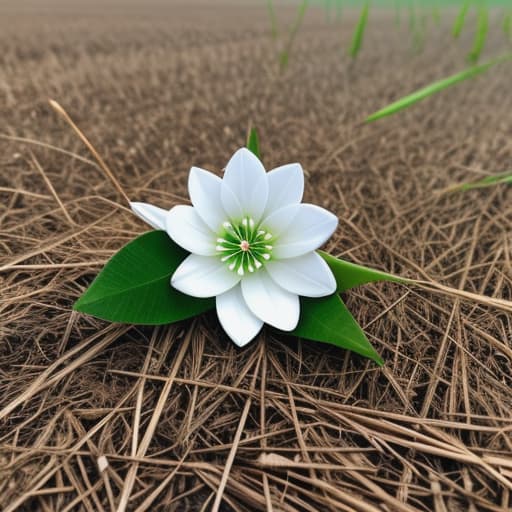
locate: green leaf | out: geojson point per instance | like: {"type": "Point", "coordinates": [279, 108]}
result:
{"type": "Point", "coordinates": [460, 19]}
{"type": "Point", "coordinates": [253, 142]}
{"type": "Point", "coordinates": [357, 38]}
{"type": "Point", "coordinates": [431, 89]}
{"type": "Point", "coordinates": [329, 321]}
{"type": "Point", "coordinates": [134, 286]}
{"type": "Point", "coordinates": [480, 36]}
{"type": "Point", "coordinates": [349, 275]}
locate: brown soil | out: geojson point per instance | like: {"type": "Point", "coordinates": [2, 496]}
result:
{"type": "Point", "coordinates": [284, 424]}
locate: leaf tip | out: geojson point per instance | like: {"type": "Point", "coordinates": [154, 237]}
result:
{"type": "Point", "coordinates": [378, 360]}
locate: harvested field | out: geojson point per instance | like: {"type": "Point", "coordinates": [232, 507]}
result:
{"type": "Point", "coordinates": [181, 416]}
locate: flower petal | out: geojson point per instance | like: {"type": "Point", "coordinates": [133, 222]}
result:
{"type": "Point", "coordinates": [187, 229]}
{"type": "Point", "coordinates": [285, 186]}
{"type": "Point", "coordinates": [246, 179]}
{"type": "Point", "coordinates": [270, 302]}
{"type": "Point", "coordinates": [153, 215]}
{"type": "Point", "coordinates": [203, 276]}
{"type": "Point", "coordinates": [311, 228]}
{"type": "Point", "coordinates": [307, 275]}
{"type": "Point", "coordinates": [279, 220]}
{"type": "Point", "coordinates": [204, 189]}
{"type": "Point", "coordinates": [240, 324]}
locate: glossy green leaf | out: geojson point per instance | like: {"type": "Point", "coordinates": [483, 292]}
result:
{"type": "Point", "coordinates": [431, 89]}
{"type": "Point", "coordinates": [460, 19]}
{"type": "Point", "coordinates": [349, 275]}
{"type": "Point", "coordinates": [480, 36]}
{"type": "Point", "coordinates": [253, 142]}
{"type": "Point", "coordinates": [134, 286]}
{"type": "Point", "coordinates": [329, 321]}
{"type": "Point", "coordinates": [357, 38]}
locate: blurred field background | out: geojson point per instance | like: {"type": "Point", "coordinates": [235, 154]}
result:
{"type": "Point", "coordinates": [96, 417]}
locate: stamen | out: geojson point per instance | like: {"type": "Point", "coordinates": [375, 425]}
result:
{"type": "Point", "coordinates": [244, 247]}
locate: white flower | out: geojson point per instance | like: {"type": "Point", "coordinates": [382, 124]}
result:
{"type": "Point", "coordinates": [252, 244]}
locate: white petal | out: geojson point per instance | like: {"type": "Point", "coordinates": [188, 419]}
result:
{"type": "Point", "coordinates": [236, 318]}
{"type": "Point", "coordinates": [187, 229]}
{"type": "Point", "coordinates": [311, 228]}
{"type": "Point", "coordinates": [231, 204]}
{"type": "Point", "coordinates": [204, 189]}
{"type": "Point", "coordinates": [279, 220]}
{"type": "Point", "coordinates": [203, 276]}
{"type": "Point", "coordinates": [153, 215]}
{"type": "Point", "coordinates": [285, 186]}
{"type": "Point", "coordinates": [270, 302]}
{"type": "Point", "coordinates": [246, 179]}
{"type": "Point", "coordinates": [307, 275]}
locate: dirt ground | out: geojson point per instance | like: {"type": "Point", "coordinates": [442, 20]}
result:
{"type": "Point", "coordinates": [180, 415]}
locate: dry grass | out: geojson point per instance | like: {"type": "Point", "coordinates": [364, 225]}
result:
{"type": "Point", "coordinates": [110, 417]}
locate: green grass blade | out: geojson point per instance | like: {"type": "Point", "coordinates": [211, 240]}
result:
{"type": "Point", "coordinates": [488, 181]}
{"type": "Point", "coordinates": [253, 142]}
{"type": "Point", "coordinates": [480, 36]}
{"type": "Point", "coordinates": [284, 57]}
{"type": "Point", "coordinates": [339, 10]}
{"type": "Point", "coordinates": [460, 20]}
{"type": "Point", "coordinates": [436, 15]}
{"type": "Point", "coordinates": [327, 7]}
{"type": "Point", "coordinates": [357, 38]}
{"type": "Point", "coordinates": [419, 32]}
{"type": "Point", "coordinates": [273, 19]}
{"type": "Point", "coordinates": [434, 88]}
{"type": "Point", "coordinates": [507, 25]}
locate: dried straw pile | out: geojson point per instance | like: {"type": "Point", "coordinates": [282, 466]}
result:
{"type": "Point", "coordinates": [180, 414]}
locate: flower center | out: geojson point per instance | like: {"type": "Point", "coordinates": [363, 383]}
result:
{"type": "Point", "coordinates": [244, 246]}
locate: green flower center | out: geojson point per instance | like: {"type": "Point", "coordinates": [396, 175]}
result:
{"type": "Point", "coordinates": [244, 247]}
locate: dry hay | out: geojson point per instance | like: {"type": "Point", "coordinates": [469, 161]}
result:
{"type": "Point", "coordinates": [282, 424]}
